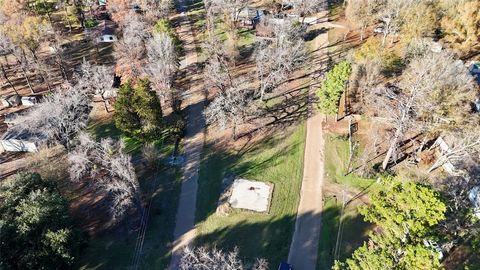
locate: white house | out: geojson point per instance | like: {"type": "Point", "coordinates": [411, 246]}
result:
{"type": "Point", "coordinates": [107, 35]}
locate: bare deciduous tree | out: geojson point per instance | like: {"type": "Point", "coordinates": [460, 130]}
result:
{"type": "Point", "coordinates": [217, 75]}
{"type": "Point", "coordinates": [463, 143]}
{"type": "Point", "coordinates": [229, 108]}
{"type": "Point", "coordinates": [97, 80]}
{"type": "Point", "coordinates": [434, 94]}
{"type": "Point", "coordinates": [230, 11]}
{"type": "Point", "coordinates": [155, 10]}
{"type": "Point", "coordinates": [109, 168]}
{"type": "Point", "coordinates": [366, 75]}
{"type": "Point", "coordinates": [203, 259]}
{"type": "Point", "coordinates": [230, 8]}
{"type": "Point", "coordinates": [120, 10]}
{"type": "Point", "coordinates": [58, 118]}
{"type": "Point", "coordinates": [5, 49]}
{"type": "Point", "coordinates": [361, 13]}
{"type": "Point", "coordinates": [307, 7]}
{"type": "Point", "coordinates": [276, 59]}
{"type": "Point", "coordinates": [162, 63]}
{"type": "Point", "coordinates": [130, 49]}
{"type": "Point", "coordinates": [390, 16]}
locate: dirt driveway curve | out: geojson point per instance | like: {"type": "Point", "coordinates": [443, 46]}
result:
{"type": "Point", "coordinates": [304, 247]}
{"type": "Point", "coordinates": [184, 232]}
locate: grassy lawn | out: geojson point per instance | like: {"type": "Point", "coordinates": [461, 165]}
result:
{"type": "Point", "coordinates": [114, 250]}
{"type": "Point", "coordinates": [336, 159]}
{"type": "Point", "coordinates": [354, 230]}
{"type": "Point", "coordinates": [277, 159]}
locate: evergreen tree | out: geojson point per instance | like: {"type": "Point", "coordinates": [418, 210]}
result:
{"type": "Point", "coordinates": [35, 228]}
{"type": "Point", "coordinates": [406, 213]}
{"type": "Point", "coordinates": [333, 87]}
{"type": "Point", "coordinates": [137, 111]}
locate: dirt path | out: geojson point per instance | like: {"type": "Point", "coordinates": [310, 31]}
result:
{"type": "Point", "coordinates": [304, 247]}
{"type": "Point", "coordinates": [193, 145]}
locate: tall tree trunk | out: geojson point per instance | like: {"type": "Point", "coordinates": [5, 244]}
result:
{"type": "Point", "coordinates": [390, 151]}
{"type": "Point", "coordinates": [6, 61]}
{"type": "Point", "coordinates": [5, 75]}
{"type": "Point", "coordinates": [25, 75]}
{"type": "Point", "coordinates": [385, 34]}
{"type": "Point", "coordinates": [45, 79]}
{"type": "Point", "coordinates": [62, 69]}
{"type": "Point", "coordinates": [24, 71]}
{"type": "Point", "coordinates": [234, 131]}
{"type": "Point", "coordinates": [68, 20]}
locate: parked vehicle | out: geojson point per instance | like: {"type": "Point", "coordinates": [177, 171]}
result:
{"type": "Point", "coordinates": [285, 266]}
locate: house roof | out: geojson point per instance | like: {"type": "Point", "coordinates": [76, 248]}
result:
{"type": "Point", "coordinates": [108, 31]}
{"type": "Point", "coordinates": [250, 13]}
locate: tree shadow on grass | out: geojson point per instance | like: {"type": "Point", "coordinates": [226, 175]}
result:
{"type": "Point", "coordinates": [114, 249]}
{"type": "Point", "coordinates": [269, 239]}
{"type": "Point", "coordinates": [354, 232]}
{"type": "Point", "coordinates": [217, 164]}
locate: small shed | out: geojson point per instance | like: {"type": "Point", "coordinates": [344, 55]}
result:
{"type": "Point", "coordinates": [107, 35]}
{"type": "Point", "coordinates": [29, 101]}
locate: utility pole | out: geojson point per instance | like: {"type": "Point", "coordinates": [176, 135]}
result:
{"type": "Point", "coordinates": [340, 228]}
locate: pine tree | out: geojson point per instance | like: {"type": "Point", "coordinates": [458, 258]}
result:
{"type": "Point", "coordinates": [35, 226]}
{"type": "Point", "coordinates": [138, 112]}
{"type": "Point", "coordinates": [126, 118]}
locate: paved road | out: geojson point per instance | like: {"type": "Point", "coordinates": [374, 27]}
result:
{"type": "Point", "coordinates": [304, 247]}
{"type": "Point", "coordinates": [184, 232]}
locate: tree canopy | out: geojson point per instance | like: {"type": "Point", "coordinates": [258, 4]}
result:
{"type": "Point", "coordinates": [406, 213]}
{"type": "Point", "coordinates": [333, 87]}
{"type": "Point", "coordinates": [404, 208]}
{"type": "Point", "coordinates": [35, 226]}
{"type": "Point", "coordinates": [461, 25]}
{"type": "Point", "coordinates": [137, 111]}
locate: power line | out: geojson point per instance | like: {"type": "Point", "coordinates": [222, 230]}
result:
{"type": "Point", "coordinates": [143, 226]}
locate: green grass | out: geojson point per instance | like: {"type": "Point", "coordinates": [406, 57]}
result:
{"type": "Point", "coordinates": [278, 160]}
{"type": "Point", "coordinates": [354, 232]}
{"type": "Point", "coordinates": [114, 250]}
{"type": "Point", "coordinates": [133, 146]}
{"type": "Point", "coordinates": [246, 36]}
{"type": "Point", "coordinates": [328, 233]}
{"type": "Point", "coordinates": [102, 130]}
{"type": "Point", "coordinates": [336, 159]}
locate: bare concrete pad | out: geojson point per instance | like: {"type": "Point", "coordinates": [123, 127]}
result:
{"type": "Point", "coordinates": [250, 195]}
